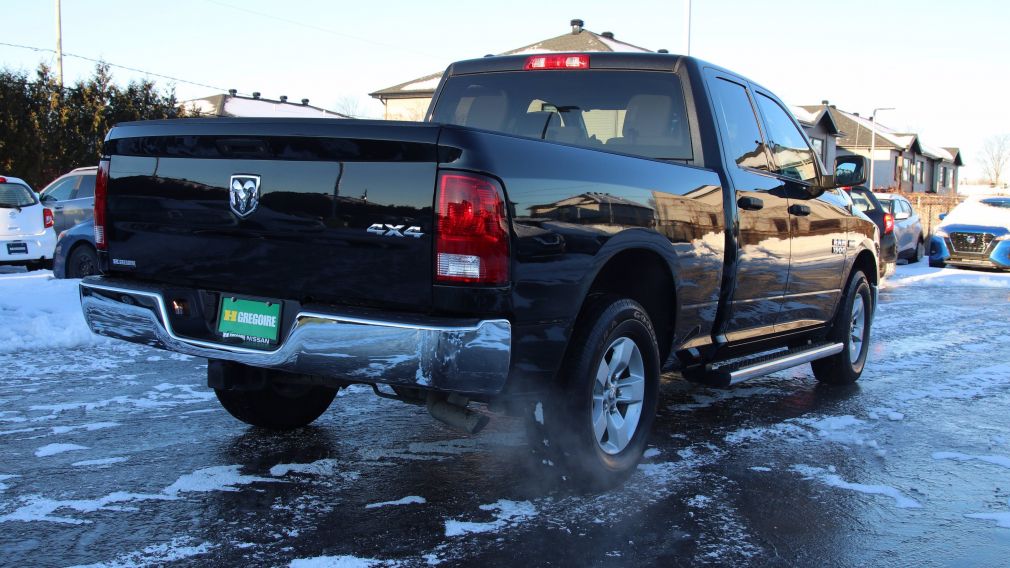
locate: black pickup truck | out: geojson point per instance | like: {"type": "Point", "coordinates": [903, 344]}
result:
{"type": "Point", "coordinates": [560, 230]}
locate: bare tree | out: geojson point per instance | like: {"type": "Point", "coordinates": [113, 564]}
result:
{"type": "Point", "coordinates": [995, 157]}
{"type": "Point", "coordinates": [348, 105]}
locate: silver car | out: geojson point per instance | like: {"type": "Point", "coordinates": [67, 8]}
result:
{"type": "Point", "coordinates": [907, 226]}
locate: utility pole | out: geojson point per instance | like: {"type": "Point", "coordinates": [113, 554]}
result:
{"type": "Point", "coordinates": [688, 24]}
{"type": "Point", "coordinates": [873, 140]}
{"type": "Point", "coordinates": [59, 46]}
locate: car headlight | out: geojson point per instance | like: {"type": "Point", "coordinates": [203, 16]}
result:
{"type": "Point", "coordinates": [940, 233]}
{"type": "Point", "coordinates": [1003, 237]}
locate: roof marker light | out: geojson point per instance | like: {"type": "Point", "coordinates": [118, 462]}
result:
{"type": "Point", "coordinates": [539, 62]}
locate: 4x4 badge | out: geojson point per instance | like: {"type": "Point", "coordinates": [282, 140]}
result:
{"type": "Point", "coordinates": [395, 231]}
{"type": "Point", "coordinates": [245, 194]}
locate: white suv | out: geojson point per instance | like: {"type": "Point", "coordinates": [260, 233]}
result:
{"type": "Point", "coordinates": [27, 236]}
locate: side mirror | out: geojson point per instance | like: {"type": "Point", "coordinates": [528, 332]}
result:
{"type": "Point", "coordinates": [849, 170]}
{"type": "Point", "coordinates": [46, 198]}
{"type": "Point", "coordinates": [942, 216]}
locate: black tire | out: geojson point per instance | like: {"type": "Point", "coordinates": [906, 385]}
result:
{"type": "Point", "coordinates": [561, 425]}
{"type": "Point", "coordinates": [845, 368]}
{"type": "Point", "coordinates": [277, 406]}
{"type": "Point", "coordinates": [920, 248]}
{"type": "Point", "coordinates": [83, 261]}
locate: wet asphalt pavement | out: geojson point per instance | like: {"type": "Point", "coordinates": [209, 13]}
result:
{"type": "Point", "coordinates": [118, 454]}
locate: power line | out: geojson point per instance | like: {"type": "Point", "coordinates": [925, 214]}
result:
{"type": "Point", "coordinates": [324, 30]}
{"type": "Point", "coordinates": [116, 65]}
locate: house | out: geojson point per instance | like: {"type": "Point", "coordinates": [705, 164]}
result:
{"type": "Point", "coordinates": [233, 104]}
{"type": "Point", "coordinates": [822, 130]}
{"type": "Point", "coordinates": [409, 100]}
{"type": "Point", "coordinates": [901, 161]}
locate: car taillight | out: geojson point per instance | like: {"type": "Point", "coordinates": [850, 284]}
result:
{"type": "Point", "coordinates": [101, 187]}
{"type": "Point", "coordinates": [47, 217]}
{"type": "Point", "coordinates": [537, 62]}
{"type": "Point", "coordinates": [471, 234]}
{"type": "Point", "coordinates": [888, 223]}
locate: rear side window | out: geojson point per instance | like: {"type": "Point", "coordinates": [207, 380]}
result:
{"type": "Point", "coordinates": [633, 112]}
{"type": "Point", "coordinates": [14, 195]}
{"type": "Point", "coordinates": [793, 156]}
{"type": "Point", "coordinates": [739, 125]}
{"type": "Point", "coordinates": [888, 205]}
{"type": "Point", "coordinates": [87, 187]}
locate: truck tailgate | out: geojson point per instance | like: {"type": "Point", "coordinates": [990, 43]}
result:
{"type": "Point", "coordinates": [311, 210]}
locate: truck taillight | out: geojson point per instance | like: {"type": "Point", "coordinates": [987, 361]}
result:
{"type": "Point", "coordinates": [537, 62]}
{"type": "Point", "coordinates": [888, 223]}
{"type": "Point", "coordinates": [101, 188]}
{"type": "Point", "coordinates": [471, 231]}
{"type": "Point", "coordinates": [47, 217]}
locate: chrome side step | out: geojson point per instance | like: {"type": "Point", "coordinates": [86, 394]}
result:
{"type": "Point", "coordinates": [731, 373]}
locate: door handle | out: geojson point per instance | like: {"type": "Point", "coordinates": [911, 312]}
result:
{"type": "Point", "coordinates": [58, 208]}
{"type": "Point", "coordinates": [750, 203]}
{"type": "Point", "coordinates": [799, 210]}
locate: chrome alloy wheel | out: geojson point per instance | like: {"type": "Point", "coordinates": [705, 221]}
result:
{"type": "Point", "coordinates": [618, 394]}
{"type": "Point", "coordinates": [857, 327]}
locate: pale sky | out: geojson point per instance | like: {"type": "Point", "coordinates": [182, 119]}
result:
{"type": "Point", "coordinates": [943, 65]}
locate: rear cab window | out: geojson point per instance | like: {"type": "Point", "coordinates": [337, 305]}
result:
{"type": "Point", "coordinates": [632, 112]}
{"type": "Point", "coordinates": [15, 196]}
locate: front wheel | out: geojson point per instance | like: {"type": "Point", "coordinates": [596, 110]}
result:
{"type": "Point", "coordinates": [851, 328]}
{"type": "Point", "coordinates": [595, 424]}
{"type": "Point", "coordinates": [278, 405]}
{"type": "Point", "coordinates": [82, 262]}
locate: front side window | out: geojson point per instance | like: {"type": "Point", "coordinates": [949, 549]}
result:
{"type": "Point", "coordinates": [887, 204]}
{"type": "Point", "coordinates": [61, 190]}
{"type": "Point", "coordinates": [739, 125]}
{"type": "Point", "coordinates": [905, 167]}
{"type": "Point", "coordinates": [87, 187]}
{"type": "Point", "coordinates": [633, 112]}
{"type": "Point", "coordinates": [793, 156]}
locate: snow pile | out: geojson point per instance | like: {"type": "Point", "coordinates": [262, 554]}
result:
{"type": "Point", "coordinates": [831, 479]}
{"type": "Point", "coordinates": [507, 513]}
{"type": "Point", "coordinates": [921, 274]}
{"type": "Point", "coordinates": [1002, 519]}
{"type": "Point", "coordinates": [40, 313]}
{"type": "Point", "coordinates": [4, 477]}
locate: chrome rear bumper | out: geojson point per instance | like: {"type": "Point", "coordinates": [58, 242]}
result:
{"type": "Point", "coordinates": [466, 356]}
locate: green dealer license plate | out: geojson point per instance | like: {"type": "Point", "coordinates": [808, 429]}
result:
{"type": "Point", "coordinates": [254, 322]}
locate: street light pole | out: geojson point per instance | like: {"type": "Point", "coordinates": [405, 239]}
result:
{"type": "Point", "coordinates": [687, 25]}
{"type": "Point", "coordinates": [873, 141]}
{"type": "Point", "coordinates": [59, 45]}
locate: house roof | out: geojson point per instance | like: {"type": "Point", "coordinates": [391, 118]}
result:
{"type": "Point", "coordinates": [813, 118]}
{"type": "Point", "coordinates": [579, 39]}
{"type": "Point", "coordinates": [857, 132]}
{"type": "Point", "coordinates": [240, 106]}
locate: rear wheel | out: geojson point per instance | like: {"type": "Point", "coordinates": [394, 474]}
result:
{"type": "Point", "coordinates": [851, 328]}
{"type": "Point", "coordinates": [277, 405]}
{"type": "Point", "coordinates": [595, 425]}
{"type": "Point", "coordinates": [920, 251]}
{"type": "Point", "coordinates": [83, 262]}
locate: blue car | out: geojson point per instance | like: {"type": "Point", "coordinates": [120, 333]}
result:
{"type": "Point", "coordinates": [76, 255]}
{"type": "Point", "coordinates": [975, 234]}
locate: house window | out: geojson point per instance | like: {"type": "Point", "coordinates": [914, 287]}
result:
{"type": "Point", "coordinates": [920, 172]}
{"type": "Point", "coordinates": [818, 146]}
{"type": "Point", "coordinates": [897, 167]}
{"type": "Point", "coordinates": [943, 176]}
{"type": "Point", "coordinates": [906, 166]}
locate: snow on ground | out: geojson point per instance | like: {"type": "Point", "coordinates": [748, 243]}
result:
{"type": "Point", "coordinates": [832, 479]}
{"type": "Point", "coordinates": [53, 449]}
{"type": "Point", "coordinates": [177, 549]}
{"type": "Point", "coordinates": [921, 274]}
{"type": "Point", "coordinates": [505, 513]}
{"type": "Point", "coordinates": [409, 500]}
{"type": "Point", "coordinates": [338, 562]}
{"type": "Point", "coordinates": [40, 313]}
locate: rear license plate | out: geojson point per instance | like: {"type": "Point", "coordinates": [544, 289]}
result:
{"type": "Point", "coordinates": [256, 323]}
{"type": "Point", "coordinates": [17, 247]}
